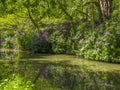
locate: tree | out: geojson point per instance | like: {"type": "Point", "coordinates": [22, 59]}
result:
{"type": "Point", "coordinates": [106, 8]}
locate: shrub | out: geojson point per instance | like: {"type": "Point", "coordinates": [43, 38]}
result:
{"type": "Point", "coordinates": [15, 83]}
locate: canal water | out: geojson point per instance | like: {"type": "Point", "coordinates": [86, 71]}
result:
{"type": "Point", "coordinates": [63, 72]}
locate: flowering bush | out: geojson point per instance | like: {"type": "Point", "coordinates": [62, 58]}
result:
{"type": "Point", "coordinates": [103, 44]}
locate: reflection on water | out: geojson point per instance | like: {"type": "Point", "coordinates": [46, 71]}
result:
{"type": "Point", "coordinates": [67, 72]}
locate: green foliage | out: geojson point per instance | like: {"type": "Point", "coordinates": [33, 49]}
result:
{"type": "Point", "coordinates": [15, 83]}
{"type": "Point", "coordinates": [43, 84]}
{"type": "Point", "coordinates": [24, 39]}
{"type": "Point", "coordinates": [103, 44]}
{"type": "Point", "coordinates": [78, 27]}
{"type": "Point", "coordinates": [58, 43]}
{"type": "Point", "coordinates": [8, 43]}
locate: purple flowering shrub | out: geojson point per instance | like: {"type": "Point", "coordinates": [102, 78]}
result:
{"type": "Point", "coordinates": [102, 44]}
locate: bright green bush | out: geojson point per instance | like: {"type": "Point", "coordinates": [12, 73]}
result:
{"type": "Point", "coordinates": [15, 83]}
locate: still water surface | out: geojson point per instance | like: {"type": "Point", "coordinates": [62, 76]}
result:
{"type": "Point", "coordinates": [51, 65]}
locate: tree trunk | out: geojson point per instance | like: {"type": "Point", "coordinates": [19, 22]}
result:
{"type": "Point", "coordinates": [92, 17]}
{"type": "Point", "coordinates": [106, 8]}
{"type": "Point", "coordinates": [30, 16]}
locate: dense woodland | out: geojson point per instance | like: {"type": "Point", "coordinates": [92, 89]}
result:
{"type": "Point", "coordinates": [87, 28]}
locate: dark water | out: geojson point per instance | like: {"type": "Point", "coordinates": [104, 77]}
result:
{"type": "Point", "coordinates": [66, 72]}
